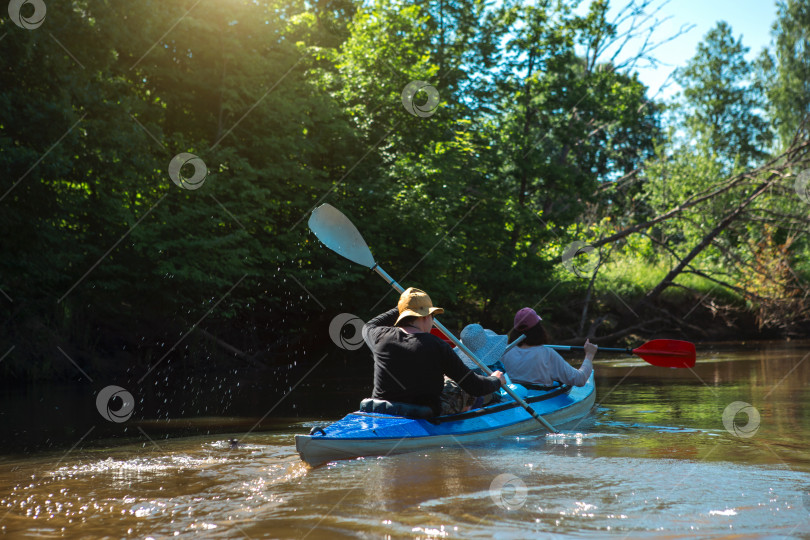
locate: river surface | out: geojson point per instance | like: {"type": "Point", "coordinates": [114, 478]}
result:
{"type": "Point", "coordinates": [654, 459]}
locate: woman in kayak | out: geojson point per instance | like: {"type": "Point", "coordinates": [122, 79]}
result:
{"type": "Point", "coordinates": [410, 363]}
{"type": "Point", "coordinates": [531, 363]}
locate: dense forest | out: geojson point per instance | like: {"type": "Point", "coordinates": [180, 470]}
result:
{"type": "Point", "coordinates": [160, 160]}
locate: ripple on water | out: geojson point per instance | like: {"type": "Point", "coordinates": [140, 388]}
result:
{"type": "Point", "coordinates": [184, 485]}
{"type": "Point", "coordinates": [570, 494]}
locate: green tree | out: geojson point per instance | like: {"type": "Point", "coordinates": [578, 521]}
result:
{"type": "Point", "coordinates": [235, 84]}
{"type": "Point", "coordinates": [568, 125]}
{"type": "Point", "coordinates": [784, 71]}
{"type": "Point", "coordinates": [721, 105]}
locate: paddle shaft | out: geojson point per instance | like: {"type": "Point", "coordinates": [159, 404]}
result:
{"type": "Point", "coordinates": [674, 354]}
{"type": "Point", "coordinates": [469, 353]}
{"type": "Point", "coordinates": [518, 340]}
{"type": "Point", "coordinates": [581, 348]}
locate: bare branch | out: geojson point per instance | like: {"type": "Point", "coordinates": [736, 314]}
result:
{"type": "Point", "coordinates": [631, 22]}
{"type": "Point", "coordinates": [774, 166]}
{"type": "Point", "coordinates": [731, 216]}
{"type": "Point", "coordinates": [740, 290]}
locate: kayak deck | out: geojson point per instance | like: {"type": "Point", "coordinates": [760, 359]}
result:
{"type": "Point", "coordinates": [367, 434]}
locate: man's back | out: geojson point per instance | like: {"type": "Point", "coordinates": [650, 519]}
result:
{"type": "Point", "coordinates": [410, 367]}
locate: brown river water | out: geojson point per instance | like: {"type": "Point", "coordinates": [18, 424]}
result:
{"type": "Point", "coordinates": [663, 454]}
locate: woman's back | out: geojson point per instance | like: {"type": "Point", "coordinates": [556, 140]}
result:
{"type": "Point", "coordinates": [542, 365]}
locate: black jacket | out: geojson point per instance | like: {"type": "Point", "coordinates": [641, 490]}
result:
{"type": "Point", "coordinates": [410, 368]}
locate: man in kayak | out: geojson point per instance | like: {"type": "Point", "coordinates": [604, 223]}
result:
{"type": "Point", "coordinates": [531, 363]}
{"type": "Point", "coordinates": [410, 363]}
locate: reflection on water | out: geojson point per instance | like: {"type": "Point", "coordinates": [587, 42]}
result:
{"type": "Point", "coordinates": [654, 458]}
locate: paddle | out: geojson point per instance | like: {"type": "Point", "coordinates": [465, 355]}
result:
{"type": "Point", "coordinates": [340, 235]}
{"type": "Point", "coordinates": [671, 353]}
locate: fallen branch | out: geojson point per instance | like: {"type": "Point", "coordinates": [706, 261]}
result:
{"type": "Point", "coordinates": [775, 172]}
{"type": "Point", "coordinates": [706, 241]}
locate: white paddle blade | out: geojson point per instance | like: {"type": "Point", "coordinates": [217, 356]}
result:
{"type": "Point", "coordinates": [340, 235]}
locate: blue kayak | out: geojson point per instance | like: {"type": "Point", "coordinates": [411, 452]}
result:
{"type": "Point", "coordinates": [374, 434]}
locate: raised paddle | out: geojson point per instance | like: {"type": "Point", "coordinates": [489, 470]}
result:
{"type": "Point", "coordinates": [672, 353]}
{"type": "Point", "coordinates": [340, 235]}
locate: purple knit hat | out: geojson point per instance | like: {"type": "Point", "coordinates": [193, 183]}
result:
{"type": "Point", "coordinates": [525, 319]}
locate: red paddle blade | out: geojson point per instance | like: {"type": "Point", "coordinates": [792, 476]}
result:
{"type": "Point", "coordinates": [438, 333]}
{"type": "Point", "coordinates": [668, 353]}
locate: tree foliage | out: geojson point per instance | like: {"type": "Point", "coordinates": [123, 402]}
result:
{"type": "Point", "coordinates": [721, 102]}
{"type": "Point", "coordinates": [785, 69]}
{"type": "Point", "coordinates": [470, 143]}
